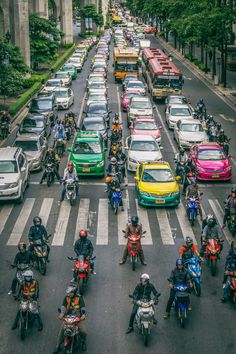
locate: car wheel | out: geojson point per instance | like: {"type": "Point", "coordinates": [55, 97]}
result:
{"type": "Point", "coordinates": [27, 182]}
{"type": "Point", "coordinates": [21, 197]}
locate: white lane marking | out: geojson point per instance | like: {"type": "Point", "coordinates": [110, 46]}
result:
{"type": "Point", "coordinates": [45, 210]}
{"type": "Point", "coordinates": [165, 230]}
{"type": "Point", "coordinates": [122, 222]}
{"type": "Point", "coordinates": [219, 214]}
{"type": "Point", "coordinates": [203, 217]}
{"type": "Point", "coordinates": [61, 226]}
{"type": "Point", "coordinates": [184, 222]}
{"type": "Point", "coordinates": [4, 215]}
{"type": "Point", "coordinates": [81, 108]}
{"type": "Point", "coordinates": [165, 130]}
{"type": "Point", "coordinates": [83, 215]}
{"type": "Point", "coordinates": [21, 221]}
{"type": "Point", "coordinates": [143, 217]}
{"type": "Point", "coordinates": [227, 119]}
{"type": "Point", "coordinates": [102, 225]}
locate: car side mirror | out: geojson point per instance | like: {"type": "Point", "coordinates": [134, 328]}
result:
{"type": "Point", "coordinates": [160, 126]}
{"type": "Point", "coordinates": [23, 169]}
{"type": "Point", "coordinates": [136, 178]}
{"type": "Point", "coordinates": [177, 178]}
{"type": "Point", "coordinates": [69, 149]}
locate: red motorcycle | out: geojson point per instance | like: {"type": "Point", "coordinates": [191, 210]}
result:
{"type": "Point", "coordinates": [213, 250]}
{"type": "Point", "coordinates": [82, 270]}
{"type": "Point", "coordinates": [70, 333]}
{"type": "Point", "coordinates": [134, 246]}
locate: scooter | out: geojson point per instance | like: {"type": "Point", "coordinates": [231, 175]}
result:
{"type": "Point", "coordinates": [41, 255]}
{"type": "Point", "coordinates": [195, 272]}
{"type": "Point", "coordinates": [134, 246]}
{"type": "Point", "coordinates": [29, 309]}
{"type": "Point", "coordinates": [70, 191]}
{"type": "Point", "coordinates": [213, 250]}
{"type": "Point", "coordinates": [181, 302]}
{"type": "Point", "coordinates": [82, 269]}
{"type": "Point", "coordinates": [192, 208]}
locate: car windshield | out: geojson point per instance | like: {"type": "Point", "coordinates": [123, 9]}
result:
{"type": "Point", "coordinates": [87, 148]}
{"type": "Point", "coordinates": [76, 60]}
{"type": "Point", "coordinates": [97, 97]}
{"type": "Point", "coordinates": [27, 145]}
{"type": "Point", "coordinates": [132, 84]}
{"type": "Point", "coordinates": [212, 154]}
{"type": "Point", "coordinates": [144, 146]}
{"type": "Point", "coordinates": [97, 85]}
{"type": "Point", "coordinates": [157, 175]}
{"type": "Point", "coordinates": [130, 95]}
{"type": "Point", "coordinates": [177, 100]}
{"type": "Point", "coordinates": [61, 75]}
{"type": "Point", "coordinates": [142, 125]}
{"type": "Point", "coordinates": [32, 123]}
{"type": "Point", "coordinates": [140, 105]}
{"type": "Point", "coordinates": [180, 111]}
{"type": "Point", "coordinates": [130, 77]}
{"type": "Point", "coordinates": [97, 109]}
{"type": "Point", "coordinates": [69, 68]}
{"type": "Point", "coordinates": [96, 126]}
{"type": "Point", "coordinates": [192, 128]}
{"type": "Point", "coordinates": [41, 104]}
{"type": "Point", "coordinates": [8, 166]}
{"type": "Point", "coordinates": [53, 83]}
{"type": "Point", "coordinates": [61, 94]}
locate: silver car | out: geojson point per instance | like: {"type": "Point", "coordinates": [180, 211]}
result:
{"type": "Point", "coordinates": [188, 132]}
{"type": "Point", "coordinates": [177, 112]}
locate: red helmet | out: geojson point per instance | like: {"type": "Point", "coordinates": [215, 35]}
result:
{"type": "Point", "coordinates": [83, 233]}
{"type": "Point", "coordinates": [5, 113]}
{"type": "Point", "coordinates": [190, 174]}
{"type": "Point", "coordinates": [70, 164]}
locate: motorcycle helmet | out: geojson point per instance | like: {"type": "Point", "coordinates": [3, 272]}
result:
{"type": "Point", "coordinates": [179, 263]}
{"type": "Point", "coordinates": [189, 241]}
{"type": "Point", "coordinates": [134, 220]}
{"type": "Point", "coordinates": [211, 222]}
{"type": "Point", "coordinates": [113, 160]}
{"type": "Point", "coordinates": [5, 113]}
{"type": "Point", "coordinates": [108, 179]}
{"type": "Point", "coordinates": [181, 151]}
{"type": "Point", "coordinates": [83, 233]}
{"type": "Point", "coordinates": [70, 166]}
{"type": "Point", "coordinates": [218, 125]}
{"type": "Point", "coordinates": [28, 276]}
{"type": "Point", "coordinates": [71, 289]}
{"type": "Point", "coordinates": [37, 221]}
{"type": "Point", "coordinates": [233, 190]}
{"type": "Point", "coordinates": [116, 115]}
{"type": "Point", "coordinates": [222, 131]}
{"type": "Point", "coordinates": [21, 246]}
{"type": "Point", "coordinates": [201, 101]}
{"type": "Point", "coordinates": [144, 279]}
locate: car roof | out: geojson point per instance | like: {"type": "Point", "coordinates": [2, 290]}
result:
{"type": "Point", "coordinates": [87, 134]}
{"type": "Point", "coordinates": [135, 81]}
{"type": "Point", "coordinates": [35, 116]}
{"type": "Point", "coordinates": [94, 119]}
{"type": "Point", "coordinates": [41, 98]}
{"type": "Point", "coordinates": [156, 164]}
{"type": "Point", "coordinates": [209, 145]}
{"type": "Point", "coordinates": [144, 119]}
{"type": "Point", "coordinates": [8, 153]}
{"type": "Point", "coordinates": [61, 88]}
{"type": "Point", "coordinates": [179, 105]}
{"type": "Point", "coordinates": [142, 138]}
{"type": "Point", "coordinates": [141, 98]}
{"type": "Point", "coordinates": [27, 137]}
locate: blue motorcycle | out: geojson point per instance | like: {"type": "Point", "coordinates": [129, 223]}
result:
{"type": "Point", "coordinates": [181, 302]}
{"type": "Point", "coordinates": [192, 207]}
{"type": "Point", "coordinates": [116, 200]}
{"type": "Point", "coordinates": [195, 272]}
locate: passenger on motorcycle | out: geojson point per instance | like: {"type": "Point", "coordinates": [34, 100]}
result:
{"type": "Point", "coordinates": [37, 232]}
{"type": "Point", "coordinates": [230, 270]}
{"type": "Point", "coordinates": [71, 118]}
{"type": "Point", "coordinates": [179, 275]}
{"type": "Point", "coordinates": [58, 126]}
{"type": "Point", "coordinates": [229, 205]}
{"type": "Point", "coordinates": [181, 159]}
{"type": "Point", "coordinates": [22, 257]}
{"type": "Point", "coordinates": [51, 158]}
{"type": "Point", "coordinates": [133, 228]}
{"type": "Point", "coordinates": [189, 250]}
{"type": "Point", "coordinates": [73, 304]}
{"type": "Point", "coordinates": [69, 174]}
{"type": "Point", "coordinates": [189, 171]}
{"type": "Point", "coordinates": [84, 247]}
{"type": "Point", "coordinates": [113, 167]}
{"type": "Point", "coordinates": [232, 253]}
{"type": "Point", "coordinates": [211, 231]}
{"type": "Point", "coordinates": [143, 290]}
{"type": "Point", "coordinates": [29, 290]}
{"type": "Point", "coordinates": [192, 191]}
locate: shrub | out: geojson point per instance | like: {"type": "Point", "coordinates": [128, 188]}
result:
{"type": "Point", "coordinates": [63, 58]}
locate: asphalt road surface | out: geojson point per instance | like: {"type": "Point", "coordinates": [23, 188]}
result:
{"type": "Point", "coordinates": [211, 326]}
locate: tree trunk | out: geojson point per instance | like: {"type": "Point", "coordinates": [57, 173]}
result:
{"type": "Point", "coordinates": [202, 52]}
{"type": "Point", "coordinates": [225, 66]}
{"type": "Point", "coordinates": [206, 62]}
{"type": "Point", "coordinates": [213, 62]}
{"type": "Point", "coordinates": [222, 63]}
{"type": "Point", "coordinates": [175, 40]}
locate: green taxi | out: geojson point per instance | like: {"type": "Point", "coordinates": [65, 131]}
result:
{"type": "Point", "coordinates": [88, 154]}
{"type": "Point", "coordinates": [71, 69]}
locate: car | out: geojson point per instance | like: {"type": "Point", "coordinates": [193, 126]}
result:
{"type": "Point", "coordinates": [64, 97]}
{"type": "Point", "coordinates": [51, 84]}
{"type": "Point", "coordinates": [14, 174]}
{"type": "Point", "coordinates": [211, 162]}
{"type": "Point", "coordinates": [96, 97]}
{"type": "Point", "coordinates": [36, 124]}
{"type": "Point", "coordinates": [80, 56]}
{"type": "Point", "coordinates": [146, 126]}
{"type": "Point", "coordinates": [126, 97]}
{"type": "Point", "coordinates": [189, 132]}
{"type": "Point", "coordinates": [65, 77]}
{"type": "Point", "coordinates": [179, 99]}
{"type": "Point", "coordinates": [98, 69]}
{"type": "Point", "coordinates": [88, 153]}
{"type": "Point", "coordinates": [77, 62]}
{"type": "Point", "coordinates": [98, 57]}
{"type": "Point", "coordinates": [95, 78]}
{"type": "Point", "coordinates": [136, 84]}
{"type": "Point", "coordinates": [177, 112]}
{"type": "Point", "coordinates": [156, 185]}
{"type": "Point", "coordinates": [82, 50]}
{"type": "Point", "coordinates": [139, 106]}
{"type": "Point", "coordinates": [98, 109]}
{"type": "Point", "coordinates": [34, 147]}
{"type": "Point", "coordinates": [127, 78]}
{"type": "Point", "coordinates": [141, 148]}
{"type": "Point", "coordinates": [97, 124]}
{"type": "Point", "coordinates": [45, 105]}
{"type": "Point", "coordinates": [98, 87]}
{"type": "Point", "coordinates": [70, 69]}
{"type": "Point", "coordinates": [99, 63]}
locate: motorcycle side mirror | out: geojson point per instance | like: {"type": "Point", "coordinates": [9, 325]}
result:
{"type": "Point", "coordinates": [144, 232]}
{"type": "Point", "coordinates": [123, 231]}
{"type": "Point", "coordinates": [70, 258]}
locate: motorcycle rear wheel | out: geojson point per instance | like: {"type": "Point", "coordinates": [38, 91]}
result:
{"type": "Point", "coordinates": [213, 267]}
{"type": "Point", "coordinates": [49, 180]}
{"type": "Point", "coordinates": [133, 263]}
{"type": "Point", "coordinates": [81, 286]}
{"type": "Point", "coordinates": [72, 201]}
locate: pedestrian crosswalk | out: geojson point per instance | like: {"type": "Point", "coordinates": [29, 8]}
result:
{"type": "Point", "coordinates": [64, 222]}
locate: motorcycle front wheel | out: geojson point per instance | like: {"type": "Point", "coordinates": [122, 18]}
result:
{"type": "Point", "coordinates": [23, 327]}
{"type": "Point", "coordinates": [213, 267]}
{"type": "Point", "coordinates": [197, 288]}
{"type": "Point", "coordinates": [133, 263]}
{"type": "Point", "coordinates": [81, 286]}
{"type": "Point", "coordinates": [145, 336]}
{"type": "Point", "coordinates": [42, 265]}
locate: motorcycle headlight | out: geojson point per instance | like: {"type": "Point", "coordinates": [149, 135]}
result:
{"type": "Point", "coordinates": [100, 164]}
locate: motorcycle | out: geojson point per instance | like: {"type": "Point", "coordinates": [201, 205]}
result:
{"type": "Point", "coordinates": [114, 148]}
{"type": "Point", "coordinates": [195, 271]}
{"type": "Point", "coordinates": [41, 255]}
{"type": "Point", "coordinates": [145, 317]}
{"type": "Point", "coordinates": [213, 250]}
{"type": "Point", "coordinates": [192, 208]}
{"type": "Point", "coordinates": [82, 268]}
{"type": "Point", "coordinates": [225, 146]}
{"type": "Point", "coordinates": [60, 147]}
{"type": "Point", "coordinates": [116, 199]}
{"type": "Point", "coordinates": [181, 302]}
{"type": "Point", "coordinates": [21, 268]}
{"type": "Point", "coordinates": [50, 173]}
{"type": "Point", "coordinates": [233, 287]}
{"type": "Point", "coordinates": [4, 130]}
{"type": "Point", "coordinates": [71, 190]}
{"type": "Point", "coordinates": [134, 246]}
{"type": "Point", "coordinates": [231, 222]}
{"type": "Point", "coordinates": [71, 338]}
{"type": "Point", "coordinates": [29, 309]}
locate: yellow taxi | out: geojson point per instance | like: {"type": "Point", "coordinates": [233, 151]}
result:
{"type": "Point", "coordinates": [156, 184]}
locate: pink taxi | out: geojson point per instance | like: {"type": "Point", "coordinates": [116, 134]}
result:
{"type": "Point", "coordinates": [126, 97]}
{"type": "Point", "coordinates": [146, 126]}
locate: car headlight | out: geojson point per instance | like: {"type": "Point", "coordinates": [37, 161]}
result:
{"type": "Point", "coordinates": [144, 193]}
{"type": "Point", "coordinates": [13, 185]}
{"type": "Point", "coordinates": [174, 194]}
{"type": "Point", "coordinates": [228, 168]}
{"type": "Point", "coordinates": [200, 168]}
{"type": "Point", "coordinates": [101, 163]}
{"type": "Point", "coordinates": [132, 160]}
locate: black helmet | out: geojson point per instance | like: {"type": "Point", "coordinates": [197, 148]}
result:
{"type": "Point", "coordinates": [218, 125]}
{"type": "Point", "coordinates": [134, 220]}
{"type": "Point", "coordinates": [189, 241]}
{"type": "Point", "coordinates": [116, 115]}
{"type": "Point", "coordinates": [181, 151]}
{"type": "Point", "coordinates": [21, 246]}
{"type": "Point", "coordinates": [201, 101]}
{"type": "Point", "coordinates": [233, 190]}
{"type": "Point", "coordinates": [211, 222]}
{"type": "Point", "coordinates": [37, 221]}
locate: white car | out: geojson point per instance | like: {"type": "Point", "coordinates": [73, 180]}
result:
{"type": "Point", "coordinates": [177, 112]}
{"type": "Point", "coordinates": [77, 62]}
{"type": "Point", "coordinates": [64, 97]}
{"type": "Point", "coordinates": [64, 77]}
{"type": "Point", "coordinates": [139, 107]}
{"type": "Point", "coordinates": [98, 87]}
{"type": "Point", "coordinates": [141, 148]}
{"type": "Point", "coordinates": [96, 97]}
{"type": "Point", "coordinates": [188, 132]}
{"type": "Point", "coordinates": [136, 85]}
{"type": "Point", "coordinates": [51, 84]}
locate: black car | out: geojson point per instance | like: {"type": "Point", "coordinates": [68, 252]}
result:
{"type": "Point", "coordinates": [97, 124]}
{"type": "Point", "coordinates": [45, 104]}
{"type": "Point", "coordinates": [35, 123]}
{"type": "Point", "coordinates": [95, 109]}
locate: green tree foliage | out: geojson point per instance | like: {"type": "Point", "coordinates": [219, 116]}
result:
{"type": "Point", "coordinates": [90, 11]}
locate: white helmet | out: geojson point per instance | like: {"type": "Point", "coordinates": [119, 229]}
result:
{"type": "Point", "coordinates": [144, 278]}
{"type": "Point", "coordinates": [28, 275]}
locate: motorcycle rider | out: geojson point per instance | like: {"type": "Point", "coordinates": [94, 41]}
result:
{"type": "Point", "coordinates": [218, 129]}
{"type": "Point", "coordinates": [113, 167]}
{"type": "Point", "coordinates": [5, 119]}
{"type": "Point", "coordinates": [181, 158]}
{"type": "Point", "coordinates": [211, 231]}
{"type": "Point", "coordinates": [143, 290]}
{"type": "Point", "coordinates": [22, 257]}
{"type": "Point", "coordinates": [38, 232]}
{"type": "Point", "coordinates": [134, 227]}
{"type": "Point", "coordinates": [73, 304]}
{"type": "Point", "coordinates": [230, 208]}
{"type": "Point", "coordinates": [223, 137]}
{"type": "Point", "coordinates": [29, 290]}
{"type": "Point", "coordinates": [71, 118]}
{"type": "Point", "coordinates": [232, 253]}
{"type": "Point", "coordinates": [188, 250]}
{"type": "Point", "coordinates": [69, 174]}
{"type": "Point", "coordinates": [201, 107]}
{"type": "Point", "coordinates": [58, 126]}
{"type": "Point", "coordinates": [51, 158]}
{"type": "Point", "coordinates": [230, 266]}
{"type": "Point", "coordinates": [192, 191]}
{"type": "Point", "coordinates": [189, 172]}
{"type": "Point", "coordinates": [84, 247]}
{"type": "Point", "coordinates": [179, 275]}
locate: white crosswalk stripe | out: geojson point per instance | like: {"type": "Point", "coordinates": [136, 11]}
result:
{"type": "Point", "coordinates": [219, 214]}
{"type": "Point", "coordinates": [45, 210]}
{"type": "Point", "coordinates": [83, 215]}
{"type": "Point", "coordinates": [184, 223]}
{"type": "Point", "coordinates": [60, 231]}
{"type": "Point", "coordinates": [21, 221]}
{"type": "Point", "coordinates": [4, 215]}
{"type": "Point", "coordinates": [143, 217]}
{"type": "Point", "coordinates": [122, 221]}
{"type": "Point", "coordinates": [165, 229]}
{"type": "Point", "coordinates": [102, 225]}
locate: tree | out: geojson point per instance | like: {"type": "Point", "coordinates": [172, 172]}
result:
{"type": "Point", "coordinates": [11, 81]}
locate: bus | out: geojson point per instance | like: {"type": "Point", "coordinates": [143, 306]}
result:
{"type": "Point", "coordinates": [148, 54]}
{"type": "Point", "coordinates": [125, 62]}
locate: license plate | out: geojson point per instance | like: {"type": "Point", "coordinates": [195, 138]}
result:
{"type": "Point", "coordinates": [86, 170]}
{"type": "Point", "coordinates": [215, 176]}
{"type": "Point", "coordinates": [160, 201]}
